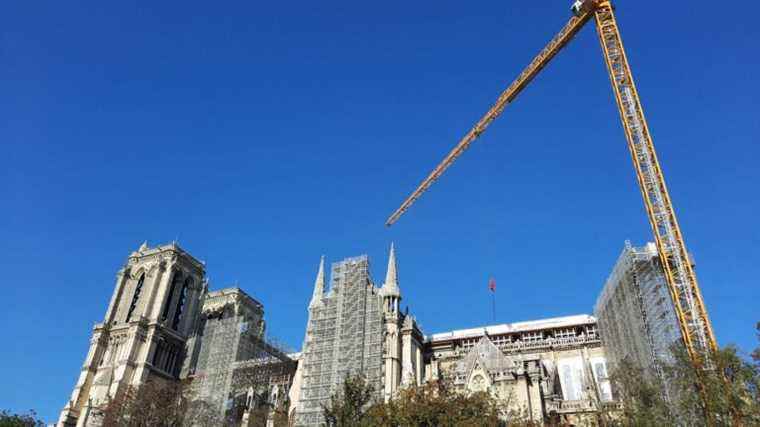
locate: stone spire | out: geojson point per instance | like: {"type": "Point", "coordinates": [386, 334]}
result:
{"type": "Point", "coordinates": [390, 287]}
{"type": "Point", "coordinates": [319, 284]}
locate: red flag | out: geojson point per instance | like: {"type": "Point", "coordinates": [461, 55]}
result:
{"type": "Point", "coordinates": [492, 284]}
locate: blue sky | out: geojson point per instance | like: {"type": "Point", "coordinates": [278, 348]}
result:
{"type": "Point", "coordinates": [265, 134]}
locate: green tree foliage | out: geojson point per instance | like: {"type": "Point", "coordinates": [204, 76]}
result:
{"type": "Point", "coordinates": [349, 406]}
{"type": "Point", "coordinates": [160, 404]}
{"type": "Point", "coordinates": [731, 390]}
{"type": "Point", "coordinates": [8, 419]}
{"type": "Point", "coordinates": [642, 397]}
{"type": "Point", "coordinates": [433, 404]}
{"type": "Point", "coordinates": [436, 404]}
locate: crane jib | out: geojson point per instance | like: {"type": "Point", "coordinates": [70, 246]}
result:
{"type": "Point", "coordinates": [508, 95]}
{"type": "Point", "coordinates": [696, 329]}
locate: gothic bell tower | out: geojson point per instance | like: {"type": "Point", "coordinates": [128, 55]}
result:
{"type": "Point", "coordinates": [150, 319]}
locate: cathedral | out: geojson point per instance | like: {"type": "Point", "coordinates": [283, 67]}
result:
{"type": "Point", "coordinates": [550, 369]}
{"type": "Point", "coordinates": [164, 325]}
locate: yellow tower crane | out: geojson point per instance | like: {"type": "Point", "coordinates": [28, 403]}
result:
{"type": "Point", "coordinates": [696, 330]}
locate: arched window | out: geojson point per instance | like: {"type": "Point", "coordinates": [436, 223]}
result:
{"type": "Point", "coordinates": [181, 303]}
{"type": "Point", "coordinates": [136, 297]}
{"type": "Point", "coordinates": [169, 298]}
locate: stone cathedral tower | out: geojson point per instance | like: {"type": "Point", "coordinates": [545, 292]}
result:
{"type": "Point", "coordinates": [145, 331]}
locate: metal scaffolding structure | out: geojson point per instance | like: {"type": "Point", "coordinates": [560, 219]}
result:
{"type": "Point", "coordinates": [230, 330]}
{"type": "Point", "coordinates": [635, 311]}
{"type": "Point", "coordinates": [343, 337]}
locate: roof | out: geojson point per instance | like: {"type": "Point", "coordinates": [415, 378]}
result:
{"type": "Point", "coordinates": [145, 250]}
{"type": "Point", "coordinates": [505, 328]}
{"type": "Point", "coordinates": [233, 290]}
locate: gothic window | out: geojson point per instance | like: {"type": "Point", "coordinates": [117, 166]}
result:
{"type": "Point", "coordinates": [602, 380]}
{"type": "Point", "coordinates": [170, 295]}
{"type": "Point", "coordinates": [181, 303]}
{"type": "Point", "coordinates": [136, 297]}
{"type": "Point", "coordinates": [567, 377]}
{"type": "Point", "coordinates": [170, 365]}
{"type": "Point", "coordinates": [159, 352]}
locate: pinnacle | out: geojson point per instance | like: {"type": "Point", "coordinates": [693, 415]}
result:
{"type": "Point", "coordinates": [390, 287]}
{"type": "Point", "coordinates": [319, 284]}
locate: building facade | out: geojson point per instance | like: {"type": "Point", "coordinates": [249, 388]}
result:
{"type": "Point", "coordinates": [635, 311]}
{"type": "Point", "coordinates": [551, 369]}
{"type": "Point", "coordinates": [151, 315]}
{"type": "Point", "coordinates": [162, 325]}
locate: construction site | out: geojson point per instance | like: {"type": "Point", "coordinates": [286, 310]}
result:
{"type": "Point", "coordinates": [554, 369]}
{"type": "Point", "coordinates": [679, 278]}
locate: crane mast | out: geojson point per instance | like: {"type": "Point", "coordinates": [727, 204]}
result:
{"type": "Point", "coordinates": [696, 331]}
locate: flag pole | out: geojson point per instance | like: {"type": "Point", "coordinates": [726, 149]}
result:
{"type": "Point", "coordinates": [492, 288]}
{"type": "Point", "coordinates": [493, 300]}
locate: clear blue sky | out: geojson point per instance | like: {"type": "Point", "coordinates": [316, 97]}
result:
{"type": "Point", "coordinates": [265, 134]}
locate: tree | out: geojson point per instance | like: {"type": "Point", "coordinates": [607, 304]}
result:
{"type": "Point", "coordinates": [731, 391]}
{"type": "Point", "coordinates": [8, 419]}
{"type": "Point", "coordinates": [349, 406]}
{"type": "Point", "coordinates": [433, 404]}
{"type": "Point", "coordinates": [437, 403]}
{"type": "Point", "coordinates": [158, 403]}
{"type": "Point", "coordinates": [642, 397]}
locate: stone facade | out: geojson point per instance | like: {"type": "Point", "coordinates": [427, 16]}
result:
{"type": "Point", "coordinates": [152, 313]}
{"type": "Point", "coordinates": [551, 369]}
{"type": "Point", "coordinates": [162, 324]}
{"type": "Point", "coordinates": [260, 390]}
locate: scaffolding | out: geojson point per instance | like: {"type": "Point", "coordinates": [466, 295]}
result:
{"type": "Point", "coordinates": [343, 337]}
{"type": "Point", "coordinates": [230, 330]}
{"type": "Point", "coordinates": [635, 312]}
